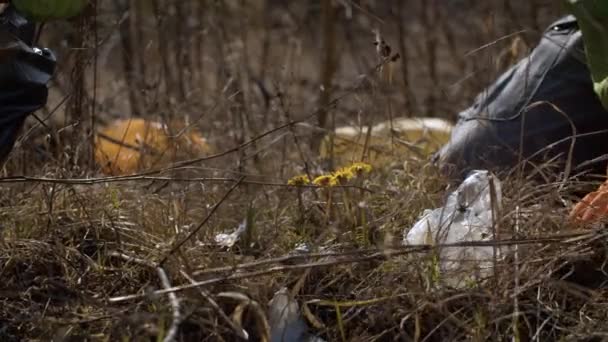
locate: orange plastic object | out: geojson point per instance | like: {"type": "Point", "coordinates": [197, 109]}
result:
{"type": "Point", "coordinates": [593, 207]}
{"type": "Point", "coordinates": [130, 145]}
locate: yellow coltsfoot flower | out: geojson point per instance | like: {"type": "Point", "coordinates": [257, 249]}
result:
{"type": "Point", "coordinates": [325, 180]}
{"type": "Point", "coordinates": [343, 175]}
{"type": "Point", "coordinates": [299, 180]}
{"type": "Point", "coordinates": [359, 168]}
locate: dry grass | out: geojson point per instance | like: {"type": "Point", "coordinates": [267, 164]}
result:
{"type": "Point", "coordinates": [66, 268]}
{"type": "Point", "coordinates": [124, 258]}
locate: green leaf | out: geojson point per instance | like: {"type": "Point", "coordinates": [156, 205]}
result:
{"type": "Point", "coordinates": [592, 17]}
{"type": "Point", "coordinates": [45, 10]}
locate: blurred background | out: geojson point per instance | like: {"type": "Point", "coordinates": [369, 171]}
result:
{"type": "Point", "coordinates": [235, 69]}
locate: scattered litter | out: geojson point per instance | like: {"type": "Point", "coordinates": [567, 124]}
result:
{"type": "Point", "coordinates": [324, 247]}
{"type": "Point", "coordinates": [466, 216]}
{"type": "Point", "coordinates": [286, 322]}
{"type": "Point", "coordinates": [302, 248]}
{"type": "Point", "coordinates": [229, 240]}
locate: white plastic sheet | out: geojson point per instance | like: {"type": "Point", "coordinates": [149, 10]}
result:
{"type": "Point", "coordinates": [286, 322]}
{"type": "Point", "coordinates": [469, 214]}
{"type": "Point", "coordinates": [228, 240]}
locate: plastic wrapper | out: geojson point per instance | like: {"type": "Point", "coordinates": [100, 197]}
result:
{"type": "Point", "coordinates": [468, 215]}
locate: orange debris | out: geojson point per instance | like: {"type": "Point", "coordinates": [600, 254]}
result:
{"type": "Point", "coordinates": [593, 207]}
{"type": "Point", "coordinates": [130, 145]}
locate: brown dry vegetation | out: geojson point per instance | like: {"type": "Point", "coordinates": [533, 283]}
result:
{"type": "Point", "coordinates": [262, 80]}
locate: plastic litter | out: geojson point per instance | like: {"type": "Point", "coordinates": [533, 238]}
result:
{"type": "Point", "coordinates": [468, 215]}
{"type": "Point", "coordinates": [536, 107]}
{"type": "Point", "coordinates": [286, 322]}
{"type": "Point", "coordinates": [230, 239]}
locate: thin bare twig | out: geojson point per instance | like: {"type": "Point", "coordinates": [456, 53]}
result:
{"type": "Point", "coordinates": [177, 317]}
{"type": "Point", "coordinates": [118, 179]}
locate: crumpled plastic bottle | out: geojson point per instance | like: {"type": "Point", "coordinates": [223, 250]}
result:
{"type": "Point", "coordinates": [468, 215]}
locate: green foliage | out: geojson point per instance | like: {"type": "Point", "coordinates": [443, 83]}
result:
{"type": "Point", "coordinates": [49, 9]}
{"type": "Point", "coordinates": [592, 16]}
{"type": "Point", "coordinates": [115, 198]}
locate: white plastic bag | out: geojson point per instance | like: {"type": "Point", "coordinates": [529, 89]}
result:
{"type": "Point", "coordinates": [228, 240]}
{"type": "Point", "coordinates": [286, 322]}
{"type": "Point", "coordinates": [468, 215]}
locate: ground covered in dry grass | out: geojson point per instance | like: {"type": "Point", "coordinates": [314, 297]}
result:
{"type": "Point", "coordinates": [137, 258]}
{"type": "Point", "coordinates": [91, 260]}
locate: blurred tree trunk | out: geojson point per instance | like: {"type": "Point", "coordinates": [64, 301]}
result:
{"type": "Point", "coordinates": [327, 71]}
{"type": "Point", "coordinates": [78, 109]}
{"type": "Point", "coordinates": [197, 52]}
{"type": "Point", "coordinates": [165, 44]}
{"type": "Point", "coordinates": [181, 50]}
{"type": "Point", "coordinates": [131, 65]}
{"type": "Point", "coordinates": [429, 17]}
{"type": "Point", "coordinates": [408, 95]}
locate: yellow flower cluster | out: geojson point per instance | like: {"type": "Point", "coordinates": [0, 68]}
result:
{"type": "Point", "coordinates": [299, 180]}
{"type": "Point", "coordinates": [325, 180]}
{"type": "Point", "coordinates": [360, 168]}
{"type": "Point", "coordinates": [343, 175]}
{"type": "Point", "coordinates": [339, 177]}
